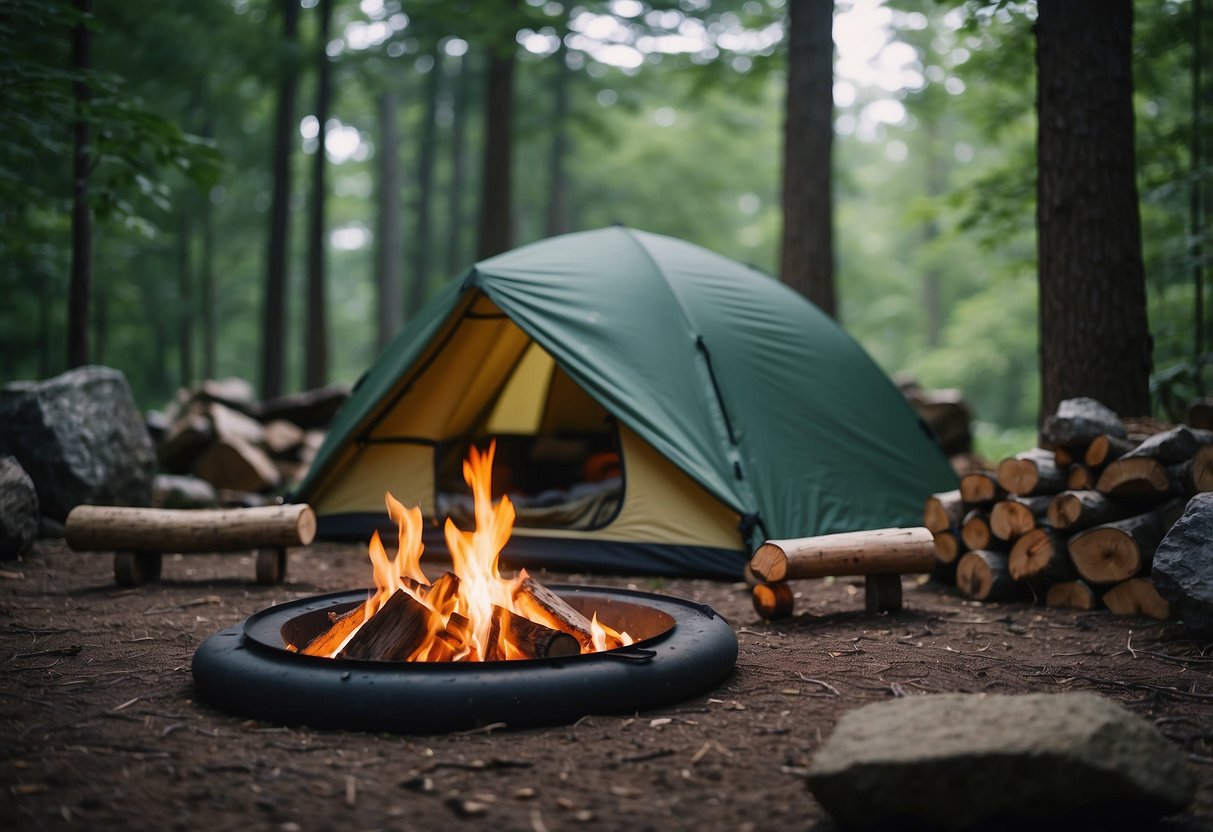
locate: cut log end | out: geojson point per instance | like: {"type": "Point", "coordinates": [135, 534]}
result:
{"type": "Point", "coordinates": [1137, 596]}
{"type": "Point", "coordinates": [1073, 595]}
{"type": "Point", "coordinates": [769, 563]}
{"type": "Point", "coordinates": [773, 601]}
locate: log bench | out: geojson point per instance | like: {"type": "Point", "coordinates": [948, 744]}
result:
{"type": "Point", "coordinates": [138, 537]}
{"type": "Point", "coordinates": [882, 556]}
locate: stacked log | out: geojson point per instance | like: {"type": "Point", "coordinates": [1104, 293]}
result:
{"type": "Point", "coordinates": [1075, 521]}
{"type": "Point", "coordinates": [248, 450]}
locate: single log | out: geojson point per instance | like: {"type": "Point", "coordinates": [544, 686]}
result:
{"type": "Point", "coordinates": [1064, 457]}
{"type": "Point", "coordinates": [340, 628]}
{"type": "Point", "coordinates": [1134, 478]}
{"type": "Point", "coordinates": [1074, 595]}
{"type": "Point", "coordinates": [1198, 475]}
{"type": "Point", "coordinates": [1105, 448]}
{"type": "Point", "coordinates": [1015, 517]}
{"type": "Point", "coordinates": [747, 575]}
{"type": "Point", "coordinates": [850, 553]}
{"type": "Point", "coordinates": [230, 423]}
{"type": "Point", "coordinates": [1040, 555]}
{"type": "Point", "coordinates": [393, 633]}
{"type": "Point", "coordinates": [283, 439]}
{"type": "Point", "coordinates": [943, 511]}
{"type": "Point", "coordinates": [1073, 511]}
{"type": "Point", "coordinates": [1137, 596]}
{"type": "Point", "coordinates": [1031, 472]}
{"type": "Point", "coordinates": [948, 547]}
{"type": "Point", "coordinates": [1079, 477]}
{"type": "Point", "coordinates": [982, 575]}
{"type": "Point", "coordinates": [109, 528]}
{"type": "Point", "coordinates": [773, 601]}
{"type": "Point", "coordinates": [309, 409]}
{"type": "Point", "coordinates": [980, 488]}
{"type": "Point", "coordinates": [517, 637]}
{"type": "Point", "coordinates": [441, 593]}
{"type": "Point", "coordinates": [1171, 447]}
{"type": "Point", "coordinates": [539, 603]}
{"type": "Point", "coordinates": [1078, 421]}
{"type": "Point", "coordinates": [1123, 549]}
{"type": "Point", "coordinates": [976, 532]}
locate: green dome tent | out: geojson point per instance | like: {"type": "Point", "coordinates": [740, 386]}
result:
{"type": "Point", "coordinates": [657, 409]}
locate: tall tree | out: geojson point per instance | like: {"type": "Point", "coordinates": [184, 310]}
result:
{"type": "Point", "coordinates": [807, 260]}
{"type": "Point", "coordinates": [387, 229]}
{"type": "Point", "coordinates": [1094, 336]}
{"type": "Point", "coordinates": [81, 275]}
{"type": "Point", "coordinates": [185, 296]}
{"type": "Point", "coordinates": [456, 255]}
{"type": "Point", "coordinates": [273, 313]}
{"type": "Point", "coordinates": [558, 186]}
{"type": "Point", "coordinates": [316, 348]}
{"type": "Point", "coordinates": [496, 181]}
{"type": "Point", "coordinates": [1196, 222]}
{"type": "Point", "coordinates": [418, 285]}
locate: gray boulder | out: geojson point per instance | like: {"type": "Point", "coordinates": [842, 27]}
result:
{"type": "Point", "coordinates": [1183, 566]}
{"type": "Point", "coordinates": [970, 761]}
{"type": "Point", "coordinates": [18, 509]}
{"type": "Point", "coordinates": [80, 438]}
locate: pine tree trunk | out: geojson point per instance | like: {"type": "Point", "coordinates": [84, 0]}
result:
{"type": "Point", "coordinates": [456, 256]}
{"type": "Point", "coordinates": [558, 208]}
{"type": "Point", "coordinates": [388, 243]}
{"type": "Point", "coordinates": [418, 285]}
{"type": "Point", "coordinates": [273, 320]}
{"type": "Point", "coordinates": [1094, 337]}
{"type": "Point", "coordinates": [315, 345]}
{"type": "Point", "coordinates": [206, 269]}
{"type": "Point", "coordinates": [496, 218]}
{"type": "Point", "coordinates": [185, 299]}
{"type": "Point", "coordinates": [807, 262]}
{"type": "Point", "coordinates": [81, 274]}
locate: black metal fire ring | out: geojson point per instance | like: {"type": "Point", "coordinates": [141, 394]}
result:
{"type": "Point", "coordinates": [246, 670]}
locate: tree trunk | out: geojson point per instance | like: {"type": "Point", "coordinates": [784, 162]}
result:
{"type": "Point", "coordinates": [81, 279]}
{"type": "Point", "coordinates": [807, 261]}
{"type": "Point", "coordinates": [496, 218]}
{"type": "Point", "coordinates": [455, 249]}
{"type": "Point", "coordinates": [206, 266]}
{"type": "Point", "coordinates": [388, 243]}
{"type": "Point", "coordinates": [1094, 337]}
{"type": "Point", "coordinates": [419, 282]}
{"type": "Point", "coordinates": [558, 204]}
{"type": "Point", "coordinates": [185, 299]}
{"type": "Point", "coordinates": [273, 320]}
{"type": "Point", "coordinates": [315, 345]}
{"type": "Point", "coordinates": [1196, 226]}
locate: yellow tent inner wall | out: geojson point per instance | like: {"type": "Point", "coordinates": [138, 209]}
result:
{"type": "Point", "coordinates": [490, 377]}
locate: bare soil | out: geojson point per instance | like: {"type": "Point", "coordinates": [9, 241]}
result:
{"type": "Point", "coordinates": [99, 727]}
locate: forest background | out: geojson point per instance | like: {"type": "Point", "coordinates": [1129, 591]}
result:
{"type": "Point", "coordinates": [664, 116]}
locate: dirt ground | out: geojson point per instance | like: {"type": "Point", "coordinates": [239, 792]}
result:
{"type": "Point", "coordinates": [100, 729]}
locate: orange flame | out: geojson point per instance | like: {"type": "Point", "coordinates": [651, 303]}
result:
{"type": "Point", "coordinates": [469, 611]}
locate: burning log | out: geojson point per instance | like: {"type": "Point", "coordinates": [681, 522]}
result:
{"type": "Point", "coordinates": [393, 633]}
{"type": "Point", "coordinates": [1137, 596]}
{"type": "Point", "coordinates": [1015, 517]}
{"type": "Point", "coordinates": [533, 597]}
{"type": "Point", "coordinates": [878, 551]}
{"type": "Point", "coordinates": [529, 638]}
{"type": "Point", "coordinates": [340, 628]}
{"type": "Point", "coordinates": [1031, 472]}
{"type": "Point", "coordinates": [1074, 595]}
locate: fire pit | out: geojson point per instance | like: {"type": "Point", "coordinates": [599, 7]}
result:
{"type": "Point", "coordinates": [470, 648]}
{"type": "Point", "coordinates": [682, 650]}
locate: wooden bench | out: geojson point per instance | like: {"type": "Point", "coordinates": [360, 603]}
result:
{"type": "Point", "coordinates": [139, 536]}
{"type": "Point", "coordinates": [882, 556]}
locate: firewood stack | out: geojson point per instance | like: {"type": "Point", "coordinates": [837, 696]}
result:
{"type": "Point", "coordinates": [1075, 522]}
{"type": "Point", "coordinates": [246, 449]}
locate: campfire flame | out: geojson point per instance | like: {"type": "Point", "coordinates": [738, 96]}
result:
{"type": "Point", "coordinates": [470, 613]}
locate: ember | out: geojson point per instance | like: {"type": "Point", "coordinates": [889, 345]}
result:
{"type": "Point", "coordinates": [468, 614]}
